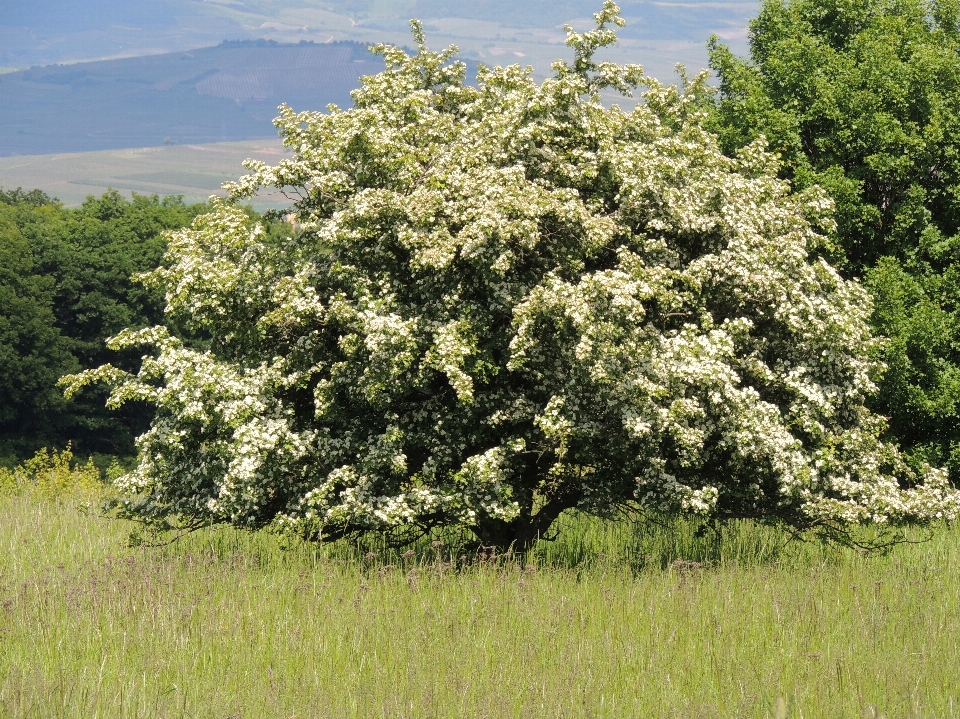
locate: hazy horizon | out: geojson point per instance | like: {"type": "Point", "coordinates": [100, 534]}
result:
{"type": "Point", "coordinates": [658, 34]}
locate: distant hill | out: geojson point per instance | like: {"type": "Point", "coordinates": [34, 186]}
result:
{"type": "Point", "coordinates": [163, 91]}
{"type": "Point", "coordinates": [41, 32]}
{"type": "Point", "coordinates": [659, 33]}
{"type": "Point", "coordinates": [225, 93]}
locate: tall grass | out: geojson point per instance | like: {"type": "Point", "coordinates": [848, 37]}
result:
{"type": "Point", "coordinates": [610, 620]}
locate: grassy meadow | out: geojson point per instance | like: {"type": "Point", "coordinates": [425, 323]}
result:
{"type": "Point", "coordinates": [610, 620]}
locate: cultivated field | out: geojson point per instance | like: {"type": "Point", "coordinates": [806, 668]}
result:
{"type": "Point", "coordinates": [229, 92]}
{"type": "Point", "coordinates": [194, 171]}
{"type": "Point", "coordinates": [659, 34]}
{"type": "Point", "coordinates": [609, 621]}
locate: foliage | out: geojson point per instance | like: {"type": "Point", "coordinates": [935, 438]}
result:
{"type": "Point", "coordinates": [32, 351]}
{"type": "Point", "coordinates": [861, 97]}
{"type": "Point", "coordinates": [917, 306]}
{"type": "Point", "coordinates": [99, 247]}
{"type": "Point", "coordinates": [506, 301]}
{"type": "Point", "coordinates": [52, 474]}
{"type": "Point", "coordinates": [65, 285]}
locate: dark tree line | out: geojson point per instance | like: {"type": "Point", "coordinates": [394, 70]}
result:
{"type": "Point", "coordinates": [65, 285]}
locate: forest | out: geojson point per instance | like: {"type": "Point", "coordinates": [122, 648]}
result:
{"type": "Point", "coordinates": [67, 286]}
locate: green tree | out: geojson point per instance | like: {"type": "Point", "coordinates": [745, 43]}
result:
{"type": "Point", "coordinates": [506, 301]}
{"type": "Point", "coordinates": [862, 97]}
{"type": "Point", "coordinates": [69, 277]}
{"type": "Point", "coordinates": [33, 354]}
{"type": "Point", "coordinates": [96, 251]}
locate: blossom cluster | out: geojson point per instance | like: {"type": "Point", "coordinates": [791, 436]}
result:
{"type": "Point", "coordinates": [507, 300]}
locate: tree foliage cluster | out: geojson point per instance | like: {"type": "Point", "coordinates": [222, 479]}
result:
{"type": "Point", "coordinates": [65, 286]}
{"type": "Point", "coordinates": [862, 98]}
{"type": "Point", "coordinates": [506, 301]}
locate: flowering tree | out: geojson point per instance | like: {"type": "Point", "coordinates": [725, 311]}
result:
{"type": "Point", "coordinates": [506, 301]}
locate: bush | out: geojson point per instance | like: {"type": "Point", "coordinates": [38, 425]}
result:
{"type": "Point", "coordinates": [50, 474]}
{"type": "Point", "coordinates": [508, 301]}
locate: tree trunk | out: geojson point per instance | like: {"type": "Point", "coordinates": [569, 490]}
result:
{"type": "Point", "coordinates": [520, 534]}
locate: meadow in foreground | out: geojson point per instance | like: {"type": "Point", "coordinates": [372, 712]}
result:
{"type": "Point", "coordinates": [611, 620]}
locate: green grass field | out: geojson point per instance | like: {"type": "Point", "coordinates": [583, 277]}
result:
{"type": "Point", "coordinates": [605, 622]}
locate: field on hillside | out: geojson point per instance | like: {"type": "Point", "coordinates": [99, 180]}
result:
{"type": "Point", "coordinates": [225, 93]}
{"type": "Point", "coordinates": [659, 33]}
{"type": "Point", "coordinates": [194, 171]}
{"type": "Point", "coordinates": [136, 95]}
{"type": "Point", "coordinates": [609, 621]}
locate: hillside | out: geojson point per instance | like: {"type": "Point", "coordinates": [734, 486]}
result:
{"type": "Point", "coordinates": [227, 92]}
{"type": "Point", "coordinates": [659, 33]}
{"type": "Point", "coordinates": [42, 32]}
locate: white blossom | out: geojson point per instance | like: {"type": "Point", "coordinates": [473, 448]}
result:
{"type": "Point", "coordinates": [508, 300]}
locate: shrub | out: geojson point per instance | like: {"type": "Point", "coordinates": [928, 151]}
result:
{"type": "Point", "coordinates": [50, 474]}
{"type": "Point", "coordinates": [506, 301]}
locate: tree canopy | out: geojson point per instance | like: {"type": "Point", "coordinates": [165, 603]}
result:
{"type": "Point", "coordinates": [862, 97]}
{"type": "Point", "coordinates": [32, 351]}
{"type": "Point", "coordinates": [65, 286]}
{"type": "Point", "coordinates": [506, 301]}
